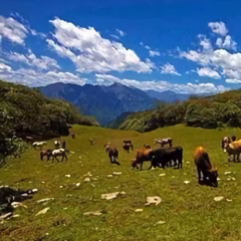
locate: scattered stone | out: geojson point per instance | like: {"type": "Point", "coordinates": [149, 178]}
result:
{"type": "Point", "coordinates": [45, 200]}
{"type": "Point", "coordinates": [68, 175]}
{"type": "Point", "coordinates": [162, 175]}
{"type": "Point", "coordinates": [138, 210]}
{"type": "Point", "coordinates": [187, 162]}
{"type": "Point", "coordinates": [229, 179]}
{"type": "Point", "coordinates": [42, 211]}
{"type": "Point", "coordinates": [153, 200]}
{"type": "Point", "coordinates": [88, 175]}
{"type": "Point", "coordinates": [186, 182]}
{"type": "Point", "coordinates": [43, 182]}
{"type": "Point", "coordinates": [217, 199]}
{"type": "Point", "coordinates": [113, 195]}
{"type": "Point", "coordinates": [16, 216]}
{"type": "Point", "coordinates": [60, 186]}
{"type": "Point", "coordinates": [161, 222]}
{"type": "Point", "coordinates": [110, 176]}
{"type": "Point", "coordinates": [95, 179]}
{"type": "Point", "coordinates": [218, 179]}
{"type": "Point", "coordinates": [77, 184]}
{"type": "Point", "coordinates": [229, 200]}
{"type": "Point", "coordinates": [234, 179]}
{"type": "Point", "coordinates": [117, 173]}
{"type": "Point", "coordinates": [96, 213]}
{"type": "Point", "coordinates": [227, 173]}
{"type": "Point", "coordinates": [87, 179]}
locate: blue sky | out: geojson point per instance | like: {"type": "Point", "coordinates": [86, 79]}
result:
{"type": "Point", "coordinates": [181, 45]}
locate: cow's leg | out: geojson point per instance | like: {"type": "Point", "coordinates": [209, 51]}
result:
{"type": "Point", "coordinates": [199, 174]}
{"type": "Point", "coordinates": [141, 164]}
{"type": "Point", "coordinates": [238, 157]}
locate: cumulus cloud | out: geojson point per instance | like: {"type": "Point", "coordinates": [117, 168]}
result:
{"type": "Point", "coordinates": [43, 62]}
{"type": "Point", "coordinates": [34, 78]}
{"type": "Point", "coordinates": [4, 67]}
{"type": "Point", "coordinates": [169, 69]}
{"type": "Point", "coordinates": [208, 72]}
{"type": "Point", "coordinates": [205, 43]}
{"type": "Point", "coordinates": [13, 30]}
{"type": "Point", "coordinates": [218, 28]}
{"type": "Point", "coordinates": [92, 53]}
{"type": "Point", "coordinates": [161, 85]}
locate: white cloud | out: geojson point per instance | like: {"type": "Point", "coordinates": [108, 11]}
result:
{"type": "Point", "coordinates": [13, 30]}
{"type": "Point", "coordinates": [33, 78]}
{"type": "Point", "coordinates": [229, 43]}
{"type": "Point", "coordinates": [161, 85]}
{"type": "Point", "coordinates": [233, 81]}
{"type": "Point", "coordinates": [219, 42]}
{"type": "Point", "coordinates": [154, 53]}
{"type": "Point", "coordinates": [205, 43]}
{"type": "Point", "coordinates": [4, 67]}
{"type": "Point", "coordinates": [120, 32]}
{"type": "Point", "coordinates": [218, 28]}
{"type": "Point", "coordinates": [43, 62]}
{"type": "Point", "coordinates": [92, 53]}
{"type": "Point", "coordinates": [208, 72]}
{"type": "Point", "coordinates": [169, 69]}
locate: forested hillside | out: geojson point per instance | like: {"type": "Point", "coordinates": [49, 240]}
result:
{"type": "Point", "coordinates": [27, 112]}
{"type": "Point", "coordinates": [206, 112]}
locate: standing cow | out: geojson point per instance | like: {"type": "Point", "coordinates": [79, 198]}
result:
{"type": "Point", "coordinates": [127, 145]}
{"type": "Point", "coordinates": [113, 154]}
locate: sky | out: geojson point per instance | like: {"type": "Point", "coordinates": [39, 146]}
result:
{"type": "Point", "coordinates": [185, 46]}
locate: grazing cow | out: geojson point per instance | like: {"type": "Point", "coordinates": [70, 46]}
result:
{"type": "Point", "coordinates": [45, 153]}
{"type": "Point", "coordinates": [203, 164]}
{"type": "Point", "coordinates": [63, 144]}
{"type": "Point", "coordinates": [59, 152]}
{"type": "Point", "coordinates": [165, 156]}
{"type": "Point", "coordinates": [113, 154]}
{"type": "Point", "coordinates": [163, 142]}
{"type": "Point", "coordinates": [39, 144]}
{"type": "Point", "coordinates": [127, 145]}
{"type": "Point", "coordinates": [57, 144]}
{"type": "Point", "coordinates": [233, 148]}
{"type": "Point", "coordinates": [142, 155]}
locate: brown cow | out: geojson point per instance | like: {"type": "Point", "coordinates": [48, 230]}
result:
{"type": "Point", "coordinates": [113, 154]}
{"type": "Point", "coordinates": [203, 164]}
{"type": "Point", "coordinates": [44, 153]}
{"type": "Point", "coordinates": [233, 148]}
{"type": "Point", "coordinates": [127, 145]}
{"type": "Point", "coordinates": [142, 155]}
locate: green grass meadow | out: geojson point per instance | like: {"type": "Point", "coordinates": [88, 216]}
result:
{"type": "Point", "coordinates": [189, 210]}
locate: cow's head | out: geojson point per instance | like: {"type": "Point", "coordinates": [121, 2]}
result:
{"type": "Point", "coordinates": [213, 175]}
{"type": "Point", "coordinates": [134, 163]}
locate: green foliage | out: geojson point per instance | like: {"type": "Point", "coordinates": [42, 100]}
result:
{"type": "Point", "coordinates": [206, 112]}
{"type": "Point", "coordinates": [27, 112]}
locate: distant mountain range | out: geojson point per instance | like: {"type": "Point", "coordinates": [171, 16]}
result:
{"type": "Point", "coordinates": [167, 96]}
{"type": "Point", "coordinates": [106, 103]}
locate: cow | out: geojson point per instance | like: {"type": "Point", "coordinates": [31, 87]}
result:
{"type": "Point", "coordinates": [113, 154]}
{"type": "Point", "coordinates": [147, 146]}
{"type": "Point", "coordinates": [142, 155]}
{"type": "Point", "coordinates": [203, 164]}
{"type": "Point", "coordinates": [127, 145]}
{"type": "Point", "coordinates": [227, 139]}
{"type": "Point", "coordinates": [233, 148]}
{"type": "Point", "coordinates": [63, 144]}
{"type": "Point", "coordinates": [163, 142]}
{"type": "Point", "coordinates": [39, 144]}
{"type": "Point", "coordinates": [59, 152]}
{"type": "Point", "coordinates": [165, 156]}
{"type": "Point", "coordinates": [44, 153]}
{"type": "Point", "coordinates": [57, 144]}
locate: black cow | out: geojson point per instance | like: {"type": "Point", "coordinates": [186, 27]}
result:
{"type": "Point", "coordinates": [164, 156]}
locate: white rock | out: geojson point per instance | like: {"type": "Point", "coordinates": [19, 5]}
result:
{"type": "Point", "coordinates": [162, 175]}
{"type": "Point", "coordinates": [161, 222]}
{"type": "Point", "coordinates": [68, 175]}
{"type": "Point", "coordinates": [227, 173]}
{"type": "Point", "coordinates": [186, 182]}
{"type": "Point", "coordinates": [217, 199]}
{"type": "Point", "coordinates": [138, 210]}
{"type": "Point", "coordinates": [42, 211]}
{"type": "Point", "coordinates": [87, 179]}
{"type": "Point", "coordinates": [45, 200]}
{"type": "Point", "coordinates": [77, 184]}
{"type": "Point", "coordinates": [153, 200]}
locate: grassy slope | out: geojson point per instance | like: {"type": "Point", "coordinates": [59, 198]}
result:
{"type": "Point", "coordinates": [189, 210]}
